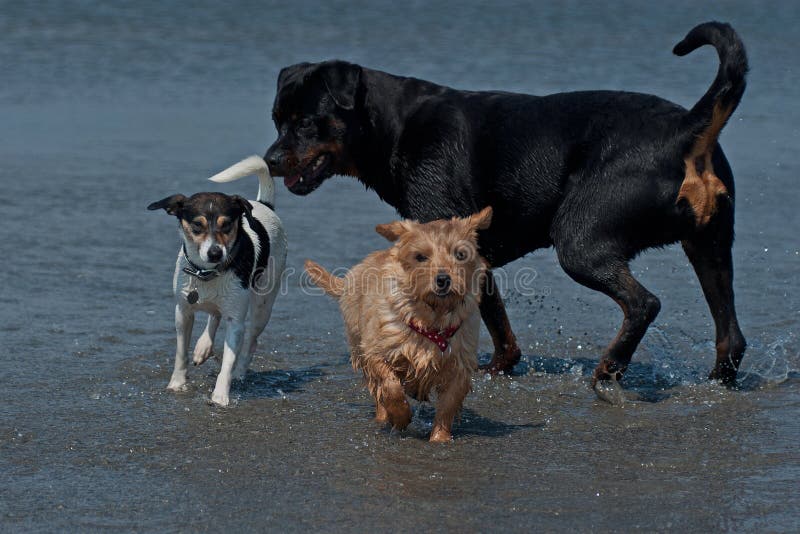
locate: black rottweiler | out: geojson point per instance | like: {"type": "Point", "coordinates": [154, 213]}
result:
{"type": "Point", "coordinates": [599, 175]}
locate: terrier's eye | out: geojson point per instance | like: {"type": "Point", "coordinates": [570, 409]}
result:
{"type": "Point", "coordinates": [421, 257]}
{"type": "Point", "coordinates": [226, 228]}
{"type": "Point", "coordinates": [197, 228]}
{"type": "Point", "coordinates": [461, 254]}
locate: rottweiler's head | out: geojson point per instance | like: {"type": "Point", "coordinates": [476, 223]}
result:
{"type": "Point", "coordinates": [313, 113]}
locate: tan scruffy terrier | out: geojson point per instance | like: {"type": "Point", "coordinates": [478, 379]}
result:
{"type": "Point", "coordinates": [411, 315]}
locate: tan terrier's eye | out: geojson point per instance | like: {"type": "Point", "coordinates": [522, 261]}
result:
{"type": "Point", "coordinates": [461, 254]}
{"type": "Point", "coordinates": [421, 258]}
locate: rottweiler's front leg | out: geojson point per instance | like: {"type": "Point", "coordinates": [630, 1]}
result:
{"type": "Point", "coordinates": [493, 312]}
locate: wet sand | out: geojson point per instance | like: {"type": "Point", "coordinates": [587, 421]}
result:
{"type": "Point", "coordinates": [109, 108]}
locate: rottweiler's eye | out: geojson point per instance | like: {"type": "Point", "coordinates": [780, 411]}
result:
{"type": "Point", "coordinates": [421, 257]}
{"type": "Point", "coordinates": [461, 254]}
{"type": "Point", "coordinates": [305, 124]}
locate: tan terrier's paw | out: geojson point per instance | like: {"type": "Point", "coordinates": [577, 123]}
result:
{"type": "Point", "coordinates": [440, 435]}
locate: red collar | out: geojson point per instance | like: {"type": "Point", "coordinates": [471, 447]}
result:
{"type": "Point", "coordinates": [440, 337]}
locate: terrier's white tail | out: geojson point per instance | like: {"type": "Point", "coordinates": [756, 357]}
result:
{"type": "Point", "coordinates": [252, 165]}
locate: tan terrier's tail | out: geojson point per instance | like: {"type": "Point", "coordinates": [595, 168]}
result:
{"type": "Point", "coordinates": [332, 285]}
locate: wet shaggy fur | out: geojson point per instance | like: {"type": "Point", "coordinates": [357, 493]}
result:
{"type": "Point", "coordinates": [599, 175]}
{"type": "Point", "coordinates": [390, 290]}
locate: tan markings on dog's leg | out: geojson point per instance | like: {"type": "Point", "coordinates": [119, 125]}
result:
{"type": "Point", "coordinates": [493, 311]}
{"type": "Point", "coordinates": [450, 398]}
{"type": "Point", "coordinates": [701, 187]}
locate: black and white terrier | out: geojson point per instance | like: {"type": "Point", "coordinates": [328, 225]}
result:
{"type": "Point", "coordinates": [230, 266]}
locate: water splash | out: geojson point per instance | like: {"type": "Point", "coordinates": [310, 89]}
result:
{"type": "Point", "coordinates": [670, 362]}
{"type": "Point", "coordinates": [773, 362]}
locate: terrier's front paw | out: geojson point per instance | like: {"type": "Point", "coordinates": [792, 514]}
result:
{"type": "Point", "coordinates": [203, 350]}
{"type": "Point", "coordinates": [220, 399]}
{"type": "Point", "coordinates": [401, 419]}
{"type": "Point", "coordinates": [440, 436]}
{"type": "Point", "coordinates": [177, 383]}
{"type": "Point", "coordinates": [381, 416]}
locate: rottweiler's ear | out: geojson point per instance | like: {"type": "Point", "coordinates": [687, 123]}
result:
{"type": "Point", "coordinates": [247, 208]}
{"type": "Point", "coordinates": [481, 220]}
{"type": "Point", "coordinates": [341, 80]}
{"type": "Point", "coordinates": [393, 230]}
{"type": "Point", "coordinates": [172, 205]}
{"type": "Point", "coordinates": [290, 71]}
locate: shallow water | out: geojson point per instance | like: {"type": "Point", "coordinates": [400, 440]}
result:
{"type": "Point", "coordinates": [107, 107]}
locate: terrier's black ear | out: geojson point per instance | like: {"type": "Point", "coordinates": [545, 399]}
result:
{"type": "Point", "coordinates": [172, 205]}
{"type": "Point", "coordinates": [341, 80]}
{"type": "Point", "coordinates": [247, 208]}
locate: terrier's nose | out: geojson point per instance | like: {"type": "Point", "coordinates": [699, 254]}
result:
{"type": "Point", "coordinates": [214, 253]}
{"type": "Point", "coordinates": [443, 281]}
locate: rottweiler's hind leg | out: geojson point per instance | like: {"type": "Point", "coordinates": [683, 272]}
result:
{"type": "Point", "coordinates": [613, 277]}
{"type": "Point", "coordinates": [710, 255]}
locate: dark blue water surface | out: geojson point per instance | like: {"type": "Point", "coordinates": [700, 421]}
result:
{"type": "Point", "coordinates": [107, 106]}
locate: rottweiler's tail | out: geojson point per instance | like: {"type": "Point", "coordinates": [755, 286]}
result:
{"type": "Point", "coordinates": [707, 117]}
{"type": "Point", "coordinates": [332, 285]}
{"type": "Point", "coordinates": [252, 165]}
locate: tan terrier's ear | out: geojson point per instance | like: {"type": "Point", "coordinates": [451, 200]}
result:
{"type": "Point", "coordinates": [393, 230]}
{"type": "Point", "coordinates": [482, 219]}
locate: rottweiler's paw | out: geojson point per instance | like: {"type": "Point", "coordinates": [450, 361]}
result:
{"type": "Point", "coordinates": [609, 391]}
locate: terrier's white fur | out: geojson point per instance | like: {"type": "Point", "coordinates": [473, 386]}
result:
{"type": "Point", "coordinates": [224, 296]}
